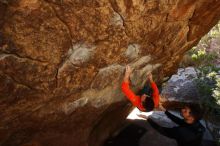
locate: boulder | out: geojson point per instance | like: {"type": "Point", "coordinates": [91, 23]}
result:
{"type": "Point", "coordinates": [62, 62]}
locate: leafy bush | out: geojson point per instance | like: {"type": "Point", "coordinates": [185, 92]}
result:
{"type": "Point", "coordinates": [206, 63]}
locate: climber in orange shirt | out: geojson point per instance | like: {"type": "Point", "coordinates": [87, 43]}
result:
{"type": "Point", "coordinates": [146, 101]}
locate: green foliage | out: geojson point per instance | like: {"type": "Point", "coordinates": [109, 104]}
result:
{"type": "Point", "coordinates": [216, 91]}
{"type": "Point", "coordinates": [208, 78]}
{"type": "Point", "coordinates": [208, 83]}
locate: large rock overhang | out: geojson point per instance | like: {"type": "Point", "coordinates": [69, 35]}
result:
{"type": "Point", "coordinates": [62, 62]}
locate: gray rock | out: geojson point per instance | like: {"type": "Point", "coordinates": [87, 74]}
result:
{"type": "Point", "coordinates": [181, 86]}
{"type": "Point", "coordinates": [108, 76]}
{"type": "Point", "coordinates": [132, 51]}
{"type": "Point", "coordinates": [80, 54]}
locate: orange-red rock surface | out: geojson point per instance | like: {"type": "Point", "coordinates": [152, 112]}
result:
{"type": "Point", "coordinates": [62, 62]}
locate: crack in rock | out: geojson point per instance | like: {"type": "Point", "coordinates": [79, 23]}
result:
{"type": "Point", "coordinates": [61, 20]}
{"type": "Point", "coordinates": [5, 54]}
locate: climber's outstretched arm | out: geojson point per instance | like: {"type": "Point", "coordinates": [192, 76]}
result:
{"type": "Point", "coordinates": [169, 132]}
{"type": "Point", "coordinates": [156, 94]}
{"type": "Point", "coordinates": [175, 119]}
{"type": "Point", "coordinates": [126, 85]}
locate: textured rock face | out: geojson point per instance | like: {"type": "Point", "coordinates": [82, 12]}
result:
{"type": "Point", "coordinates": [62, 62]}
{"type": "Point", "coordinates": [181, 88]}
